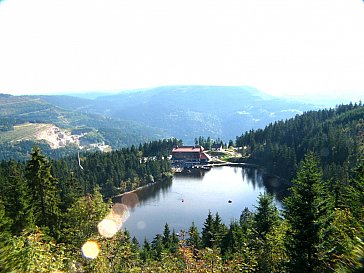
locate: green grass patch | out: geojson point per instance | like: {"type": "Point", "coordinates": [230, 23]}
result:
{"type": "Point", "coordinates": [27, 131]}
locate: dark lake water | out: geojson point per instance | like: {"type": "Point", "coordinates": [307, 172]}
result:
{"type": "Point", "coordinates": [189, 197]}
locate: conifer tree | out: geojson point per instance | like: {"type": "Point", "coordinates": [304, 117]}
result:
{"type": "Point", "coordinates": [44, 192]}
{"type": "Point", "coordinates": [16, 197]}
{"type": "Point", "coordinates": [246, 221]}
{"type": "Point", "coordinates": [219, 230]}
{"type": "Point", "coordinates": [208, 231]}
{"type": "Point", "coordinates": [307, 211]}
{"type": "Point", "coordinates": [266, 216]}
{"type": "Point", "coordinates": [266, 219]}
{"type": "Point", "coordinates": [5, 223]}
{"type": "Point", "coordinates": [355, 191]}
{"type": "Point", "coordinates": [174, 242]}
{"type": "Point", "coordinates": [146, 252]}
{"type": "Point", "coordinates": [157, 246]}
{"type": "Point", "coordinates": [81, 220]}
{"type": "Point", "coordinates": [234, 240]}
{"type": "Point", "coordinates": [194, 238]}
{"type": "Point", "coordinates": [135, 244]}
{"type": "Point", "coordinates": [167, 238]}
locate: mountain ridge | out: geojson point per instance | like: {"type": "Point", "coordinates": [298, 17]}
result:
{"type": "Point", "coordinates": [218, 111]}
{"type": "Point", "coordinates": [187, 111]}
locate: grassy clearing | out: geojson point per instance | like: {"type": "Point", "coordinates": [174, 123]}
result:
{"type": "Point", "coordinates": [27, 131]}
{"type": "Point", "coordinates": [225, 155]}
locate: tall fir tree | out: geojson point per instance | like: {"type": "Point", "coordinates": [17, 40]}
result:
{"type": "Point", "coordinates": [208, 231]}
{"type": "Point", "coordinates": [307, 211]}
{"type": "Point", "coordinates": [194, 238]}
{"type": "Point", "coordinates": [266, 215]}
{"type": "Point", "coordinates": [266, 219]}
{"type": "Point", "coordinates": [167, 238]}
{"type": "Point", "coordinates": [44, 192]}
{"type": "Point", "coordinates": [16, 195]}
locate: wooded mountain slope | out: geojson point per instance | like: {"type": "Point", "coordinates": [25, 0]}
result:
{"type": "Point", "coordinates": [336, 135]}
{"type": "Point", "coordinates": [19, 110]}
{"type": "Point", "coordinates": [185, 112]}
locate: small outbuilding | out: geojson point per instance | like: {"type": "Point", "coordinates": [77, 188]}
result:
{"type": "Point", "coordinates": [216, 147]}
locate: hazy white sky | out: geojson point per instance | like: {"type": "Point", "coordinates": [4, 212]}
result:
{"type": "Point", "coordinates": [284, 47]}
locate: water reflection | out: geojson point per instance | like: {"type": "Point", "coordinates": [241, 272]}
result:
{"type": "Point", "coordinates": [191, 195]}
{"type": "Point", "coordinates": [272, 184]}
{"type": "Point", "coordinates": [152, 192]}
{"type": "Point", "coordinates": [253, 177]}
{"type": "Point", "coordinates": [276, 186]}
{"type": "Point", "coordinates": [192, 173]}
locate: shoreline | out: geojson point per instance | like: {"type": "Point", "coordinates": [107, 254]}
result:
{"type": "Point", "coordinates": [137, 189]}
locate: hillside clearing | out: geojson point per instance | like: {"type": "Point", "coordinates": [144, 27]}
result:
{"type": "Point", "coordinates": [53, 135]}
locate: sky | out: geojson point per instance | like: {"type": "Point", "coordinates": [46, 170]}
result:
{"type": "Point", "coordinates": [283, 47]}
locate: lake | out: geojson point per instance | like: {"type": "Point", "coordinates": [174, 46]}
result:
{"type": "Point", "coordinates": [189, 196]}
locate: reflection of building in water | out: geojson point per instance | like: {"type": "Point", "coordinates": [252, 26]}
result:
{"type": "Point", "coordinates": [187, 156]}
{"type": "Point", "coordinates": [195, 173]}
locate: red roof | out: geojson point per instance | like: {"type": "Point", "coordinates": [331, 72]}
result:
{"type": "Point", "coordinates": [187, 149]}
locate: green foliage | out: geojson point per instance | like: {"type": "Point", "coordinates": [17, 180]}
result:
{"type": "Point", "coordinates": [194, 240]}
{"type": "Point", "coordinates": [45, 197]}
{"type": "Point", "coordinates": [66, 202]}
{"type": "Point", "coordinates": [62, 111]}
{"type": "Point", "coordinates": [5, 222]}
{"type": "Point", "coordinates": [208, 231]}
{"type": "Point", "coordinates": [15, 195]}
{"type": "Point", "coordinates": [116, 255]}
{"type": "Point", "coordinates": [208, 142]}
{"type": "Point", "coordinates": [307, 211]}
{"type": "Point", "coordinates": [81, 219]}
{"type": "Point", "coordinates": [30, 253]}
{"type": "Point", "coordinates": [334, 134]}
{"type": "Point", "coordinates": [266, 215]}
{"type": "Point", "coordinates": [159, 148]}
{"type": "Point", "coordinates": [115, 172]}
{"type": "Point", "coordinates": [234, 241]}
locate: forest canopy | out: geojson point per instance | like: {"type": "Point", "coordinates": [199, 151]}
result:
{"type": "Point", "coordinates": [51, 210]}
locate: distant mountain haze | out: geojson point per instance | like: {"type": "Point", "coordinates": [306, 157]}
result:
{"type": "Point", "coordinates": [186, 112]}
{"type": "Point", "coordinates": [25, 119]}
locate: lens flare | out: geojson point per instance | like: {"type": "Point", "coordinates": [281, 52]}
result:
{"type": "Point", "coordinates": [113, 222]}
{"type": "Point", "coordinates": [107, 228]}
{"type": "Point", "coordinates": [141, 225]}
{"type": "Point", "coordinates": [130, 199]}
{"type": "Point", "coordinates": [90, 249]}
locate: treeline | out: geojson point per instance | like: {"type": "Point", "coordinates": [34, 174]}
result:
{"type": "Point", "coordinates": [39, 181]}
{"type": "Point", "coordinates": [114, 172]}
{"type": "Point", "coordinates": [20, 151]}
{"type": "Point", "coordinates": [334, 134]}
{"type": "Point", "coordinates": [312, 234]}
{"type": "Point", "coordinates": [208, 142]}
{"type": "Point", "coordinates": [159, 148]}
{"type": "Point", "coordinates": [50, 208]}
{"type": "Point", "coordinates": [8, 123]}
{"type": "Point", "coordinates": [118, 171]}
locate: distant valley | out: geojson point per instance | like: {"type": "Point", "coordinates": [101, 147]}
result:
{"type": "Point", "coordinates": [136, 116]}
{"type": "Point", "coordinates": [187, 112]}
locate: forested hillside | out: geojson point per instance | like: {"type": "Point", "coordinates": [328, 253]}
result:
{"type": "Point", "coordinates": [336, 135]}
{"type": "Point", "coordinates": [53, 213]}
{"type": "Point", "coordinates": [21, 116]}
{"type": "Point", "coordinates": [136, 116]}
{"type": "Point", "coordinates": [186, 111]}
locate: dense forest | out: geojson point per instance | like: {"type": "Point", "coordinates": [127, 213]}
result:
{"type": "Point", "coordinates": [18, 111]}
{"type": "Point", "coordinates": [336, 135]}
{"type": "Point", "coordinates": [50, 210]}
